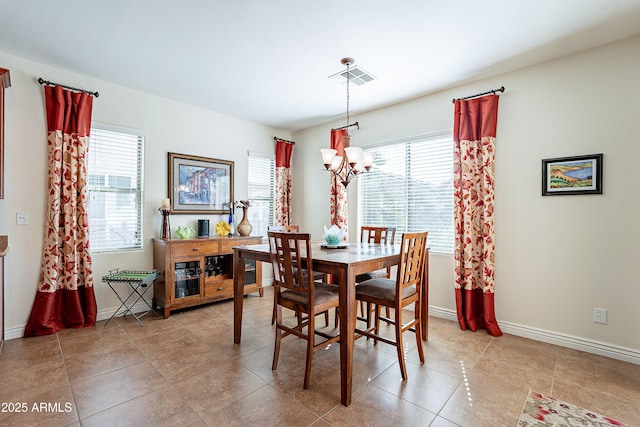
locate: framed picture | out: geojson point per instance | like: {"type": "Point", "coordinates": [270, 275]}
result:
{"type": "Point", "coordinates": [200, 184]}
{"type": "Point", "coordinates": [572, 175]}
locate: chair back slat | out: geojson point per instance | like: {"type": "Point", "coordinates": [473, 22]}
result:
{"type": "Point", "coordinates": [290, 257]}
{"type": "Point", "coordinates": [412, 262]}
{"type": "Point", "coordinates": [384, 235]}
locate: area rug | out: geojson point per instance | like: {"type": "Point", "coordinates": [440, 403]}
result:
{"type": "Point", "coordinates": [544, 411]}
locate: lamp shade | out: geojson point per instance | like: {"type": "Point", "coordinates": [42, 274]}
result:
{"type": "Point", "coordinates": [367, 159]}
{"type": "Point", "coordinates": [328, 154]}
{"type": "Point", "coordinates": [335, 163]}
{"type": "Point", "coordinates": [354, 154]}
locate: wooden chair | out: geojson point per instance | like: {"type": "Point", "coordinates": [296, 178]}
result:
{"type": "Point", "coordinates": [290, 256]}
{"type": "Point", "coordinates": [369, 234]}
{"type": "Point", "coordinates": [382, 235]}
{"type": "Point", "coordinates": [316, 275]}
{"type": "Point", "coordinates": [404, 290]}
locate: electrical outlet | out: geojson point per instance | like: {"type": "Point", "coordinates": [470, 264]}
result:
{"type": "Point", "coordinates": [22, 218]}
{"type": "Point", "coordinates": [599, 315]}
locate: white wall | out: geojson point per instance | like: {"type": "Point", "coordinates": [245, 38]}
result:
{"type": "Point", "coordinates": [170, 127]}
{"type": "Point", "coordinates": [556, 257]}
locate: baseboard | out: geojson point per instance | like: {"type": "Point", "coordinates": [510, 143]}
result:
{"type": "Point", "coordinates": [18, 331]}
{"type": "Point", "coordinates": [563, 340]}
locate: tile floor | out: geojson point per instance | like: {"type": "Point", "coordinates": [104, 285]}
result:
{"type": "Point", "coordinates": [186, 371]}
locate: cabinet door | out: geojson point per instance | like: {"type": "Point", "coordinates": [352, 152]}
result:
{"type": "Point", "coordinates": [250, 271]}
{"type": "Point", "coordinates": [186, 279]}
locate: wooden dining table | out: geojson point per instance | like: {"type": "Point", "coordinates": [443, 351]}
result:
{"type": "Point", "coordinates": [344, 264]}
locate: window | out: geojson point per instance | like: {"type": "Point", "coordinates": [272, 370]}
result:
{"type": "Point", "coordinates": [115, 188]}
{"type": "Point", "coordinates": [261, 193]}
{"type": "Point", "coordinates": [411, 187]}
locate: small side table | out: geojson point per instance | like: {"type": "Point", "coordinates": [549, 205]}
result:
{"type": "Point", "coordinates": [138, 284]}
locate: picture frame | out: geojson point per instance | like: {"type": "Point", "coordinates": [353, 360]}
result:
{"type": "Point", "coordinates": [572, 175]}
{"type": "Point", "coordinates": [200, 185]}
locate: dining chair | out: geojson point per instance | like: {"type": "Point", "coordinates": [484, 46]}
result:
{"type": "Point", "coordinates": [316, 275]}
{"type": "Point", "coordinates": [406, 289]}
{"type": "Point", "coordinates": [379, 235]}
{"type": "Point", "coordinates": [376, 235]}
{"type": "Point", "coordinates": [294, 290]}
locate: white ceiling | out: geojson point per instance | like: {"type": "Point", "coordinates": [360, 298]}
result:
{"type": "Point", "coordinates": [268, 61]}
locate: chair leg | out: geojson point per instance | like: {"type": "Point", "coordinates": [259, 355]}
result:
{"type": "Point", "coordinates": [275, 303]}
{"type": "Point", "coordinates": [376, 330]}
{"type": "Point", "coordinates": [326, 318]}
{"type": "Point", "coordinates": [276, 347]}
{"type": "Point", "coordinates": [400, 345]}
{"type": "Point", "coordinates": [419, 334]}
{"type": "Point", "coordinates": [310, 342]}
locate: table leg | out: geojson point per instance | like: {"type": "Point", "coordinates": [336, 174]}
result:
{"type": "Point", "coordinates": [238, 295]}
{"type": "Point", "coordinates": [346, 282]}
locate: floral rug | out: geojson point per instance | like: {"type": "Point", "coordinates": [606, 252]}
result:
{"type": "Point", "coordinates": [544, 411]}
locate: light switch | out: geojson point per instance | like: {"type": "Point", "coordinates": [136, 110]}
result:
{"type": "Point", "coordinates": [22, 218]}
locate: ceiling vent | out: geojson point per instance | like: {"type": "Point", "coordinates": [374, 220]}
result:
{"type": "Point", "coordinates": [357, 76]}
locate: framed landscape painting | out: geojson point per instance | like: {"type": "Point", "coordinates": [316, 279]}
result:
{"type": "Point", "coordinates": [200, 184]}
{"type": "Point", "coordinates": [572, 175]}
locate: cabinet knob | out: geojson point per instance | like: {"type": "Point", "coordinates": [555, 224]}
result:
{"type": "Point", "coordinates": [196, 249]}
{"type": "Point", "coordinates": [220, 288]}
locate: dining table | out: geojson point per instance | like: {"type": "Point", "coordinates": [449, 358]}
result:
{"type": "Point", "coordinates": [343, 264]}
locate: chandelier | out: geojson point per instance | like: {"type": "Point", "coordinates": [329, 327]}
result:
{"type": "Point", "coordinates": [354, 161]}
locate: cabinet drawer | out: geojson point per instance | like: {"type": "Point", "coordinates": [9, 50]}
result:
{"type": "Point", "coordinates": [194, 248]}
{"type": "Point", "coordinates": [227, 245]}
{"type": "Point", "coordinates": [219, 288]}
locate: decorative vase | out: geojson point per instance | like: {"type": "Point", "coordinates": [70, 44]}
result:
{"type": "Point", "coordinates": [244, 227]}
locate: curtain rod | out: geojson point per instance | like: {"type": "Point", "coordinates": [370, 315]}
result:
{"type": "Point", "coordinates": [500, 89]}
{"type": "Point", "coordinates": [348, 126]}
{"type": "Point", "coordinates": [275, 138]}
{"type": "Point", "coordinates": [47, 82]}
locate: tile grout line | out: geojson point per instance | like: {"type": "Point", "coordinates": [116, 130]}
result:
{"type": "Point", "coordinates": [555, 367]}
{"type": "Point", "coordinates": [66, 373]}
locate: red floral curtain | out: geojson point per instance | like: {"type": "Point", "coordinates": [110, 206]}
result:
{"type": "Point", "coordinates": [283, 182]}
{"type": "Point", "coordinates": [338, 203]}
{"type": "Point", "coordinates": [475, 122]}
{"type": "Point", "coordinates": [65, 296]}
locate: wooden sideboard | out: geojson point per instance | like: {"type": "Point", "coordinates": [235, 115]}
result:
{"type": "Point", "coordinates": [199, 271]}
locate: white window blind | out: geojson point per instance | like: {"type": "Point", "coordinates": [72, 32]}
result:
{"type": "Point", "coordinates": [261, 192]}
{"type": "Point", "coordinates": [411, 187]}
{"type": "Point", "coordinates": [115, 189]}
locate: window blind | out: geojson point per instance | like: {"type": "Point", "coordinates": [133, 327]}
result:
{"type": "Point", "coordinates": [115, 189]}
{"type": "Point", "coordinates": [261, 192]}
{"type": "Point", "coordinates": [411, 187]}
